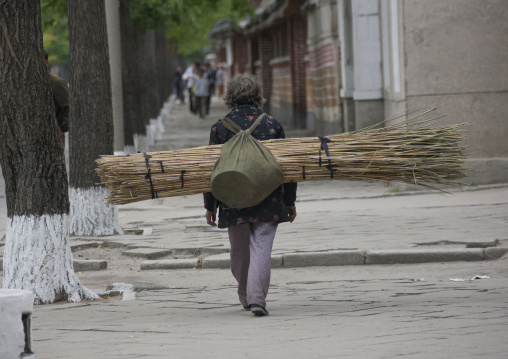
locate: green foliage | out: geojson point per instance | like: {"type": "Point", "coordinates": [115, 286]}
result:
{"type": "Point", "coordinates": [55, 30]}
{"type": "Point", "coordinates": [188, 22]}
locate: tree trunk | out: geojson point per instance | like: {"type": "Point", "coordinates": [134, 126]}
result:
{"type": "Point", "coordinates": [91, 118]}
{"type": "Point", "coordinates": [150, 68]}
{"type": "Point", "coordinates": [147, 78]}
{"type": "Point", "coordinates": [164, 68]}
{"type": "Point", "coordinates": [115, 59]}
{"type": "Point", "coordinates": [135, 84]}
{"type": "Point", "coordinates": [37, 254]}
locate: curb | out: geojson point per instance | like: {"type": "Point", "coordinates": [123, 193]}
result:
{"type": "Point", "coordinates": [340, 258]}
{"type": "Point", "coordinates": [331, 258]}
{"type": "Point", "coordinates": [80, 265]}
{"type": "Point", "coordinates": [223, 261]}
{"type": "Point", "coordinates": [149, 253]}
{"type": "Point", "coordinates": [423, 256]}
{"type": "Point", "coordinates": [89, 265]}
{"type": "Point", "coordinates": [318, 259]}
{"type": "Point", "coordinates": [169, 264]}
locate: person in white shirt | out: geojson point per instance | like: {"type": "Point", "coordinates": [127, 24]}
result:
{"type": "Point", "coordinates": [190, 77]}
{"type": "Point", "coordinates": [201, 92]}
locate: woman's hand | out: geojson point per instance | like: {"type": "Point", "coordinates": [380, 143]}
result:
{"type": "Point", "coordinates": [210, 218]}
{"type": "Point", "coordinates": [292, 213]}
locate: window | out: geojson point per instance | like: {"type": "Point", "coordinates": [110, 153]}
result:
{"type": "Point", "coordinates": [280, 41]}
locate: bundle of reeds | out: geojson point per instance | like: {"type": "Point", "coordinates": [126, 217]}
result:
{"type": "Point", "coordinates": [410, 151]}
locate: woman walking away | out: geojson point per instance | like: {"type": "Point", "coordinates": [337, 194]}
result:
{"type": "Point", "coordinates": [251, 230]}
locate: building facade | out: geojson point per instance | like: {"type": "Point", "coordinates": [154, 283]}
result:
{"type": "Point", "coordinates": [335, 66]}
{"type": "Point", "coordinates": [295, 56]}
{"type": "Point", "coordinates": [400, 55]}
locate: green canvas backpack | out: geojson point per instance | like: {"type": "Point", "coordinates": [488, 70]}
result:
{"type": "Point", "coordinates": [246, 172]}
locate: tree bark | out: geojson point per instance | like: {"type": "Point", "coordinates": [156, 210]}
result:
{"type": "Point", "coordinates": [37, 254]}
{"type": "Point", "coordinates": [115, 59]}
{"type": "Point", "coordinates": [135, 83]}
{"type": "Point", "coordinates": [91, 118]}
{"type": "Point", "coordinates": [91, 113]}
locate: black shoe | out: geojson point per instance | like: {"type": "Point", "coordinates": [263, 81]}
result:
{"type": "Point", "coordinates": [246, 307]}
{"type": "Point", "coordinates": [258, 310]}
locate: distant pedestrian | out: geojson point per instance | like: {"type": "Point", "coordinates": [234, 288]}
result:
{"type": "Point", "coordinates": [201, 85]}
{"type": "Point", "coordinates": [190, 77]}
{"type": "Point", "coordinates": [251, 230]}
{"type": "Point", "coordinates": [178, 84]}
{"type": "Point", "coordinates": [219, 81]}
{"type": "Point", "coordinates": [210, 75]}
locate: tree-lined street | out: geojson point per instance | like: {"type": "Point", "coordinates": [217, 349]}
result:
{"type": "Point", "coordinates": [367, 270]}
{"type": "Point", "coordinates": [358, 311]}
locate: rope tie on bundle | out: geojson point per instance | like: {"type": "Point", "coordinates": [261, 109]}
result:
{"type": "Point", "coordinates": [181, 177]}
{"type": "Point", "coordinates": [162, 167]}
{"type": "Point", "coordinates": [324, 146]}
{"type": "Point", "coordinates": [149, 177]}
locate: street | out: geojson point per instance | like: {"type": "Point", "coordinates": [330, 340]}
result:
{"type": "Point", "coordinates": [359, 311]}
{"type": "Point", "coordinates": [410, 311]}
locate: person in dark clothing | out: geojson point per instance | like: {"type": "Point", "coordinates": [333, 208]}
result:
{"type": "Point", "coordinates": [210, 75]}
{"type": "Point", "coordinates": [60, 98]}
{"type": "Point", "coordinates": [178, 84]}
{"type": "Point", "coordinates": [251, 230]}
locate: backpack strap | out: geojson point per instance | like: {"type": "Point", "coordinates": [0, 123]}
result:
{"type": "Point", "coordinates": [256, 123]}
{"type": "Point", "coordinates": [230, 125]}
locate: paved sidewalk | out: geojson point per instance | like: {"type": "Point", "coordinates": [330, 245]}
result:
{"type": "Point", "coordinates": [332, 215]}
{"type": "Point", "coordinates": [409, 311]}
{"type": "Point", "coordinates": [362, 218]}
{"type": "Point", "coordinates": [355, 311]}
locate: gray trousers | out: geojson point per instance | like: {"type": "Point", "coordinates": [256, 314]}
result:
{"type": "Point", "coordinates": [251, 250]}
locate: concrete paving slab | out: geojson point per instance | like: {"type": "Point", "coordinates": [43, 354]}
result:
{"type": "Point", "coordinates": [223, 261]}
{"type": "Point", "coordinates": [148, 253]}
{"type": "Point", "coordinates": [88, 265]}
{"type": "Point", "coordinates": [128, 290]}
{"type": "Point", "coordinates": [139, 286]}
{"type": "Point", "coordinates": [276, 261]}
{"type": "Point", "coordinates": [77, 244]}
{"type": "Point", "coordinates": [423, 255]}
{"type": "Point", "coordinates": [120, 243]}
{"type": "Point", "coordinates": [494, 243]}
{"type": "Point", "coordinates": [169, 264]}
{"type": "Point", "coordinates": [216, 261]}
{"type": "Point", "coordinates": [200, 251]}
{"type": "Point", "coordinates": [329, 258]}
{"type": "Point", "coordinates": [131, 237]}
{"type": "Point", "coordinates": [495, 252]}
{"type": "Point", "coordinates": [142, 231]}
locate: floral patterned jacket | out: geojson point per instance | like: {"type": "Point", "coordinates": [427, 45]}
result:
{"type": "Point", "coordinates": [273, 208]}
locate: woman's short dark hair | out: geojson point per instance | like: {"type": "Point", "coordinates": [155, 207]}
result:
{"type": "Point", "coordinates": [243, 89]}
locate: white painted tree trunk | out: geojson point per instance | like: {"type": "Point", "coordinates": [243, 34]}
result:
{"type": "Point", "coordinates": [91, 215]}
{"type": "Point", "coordinates": [38, 258]}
